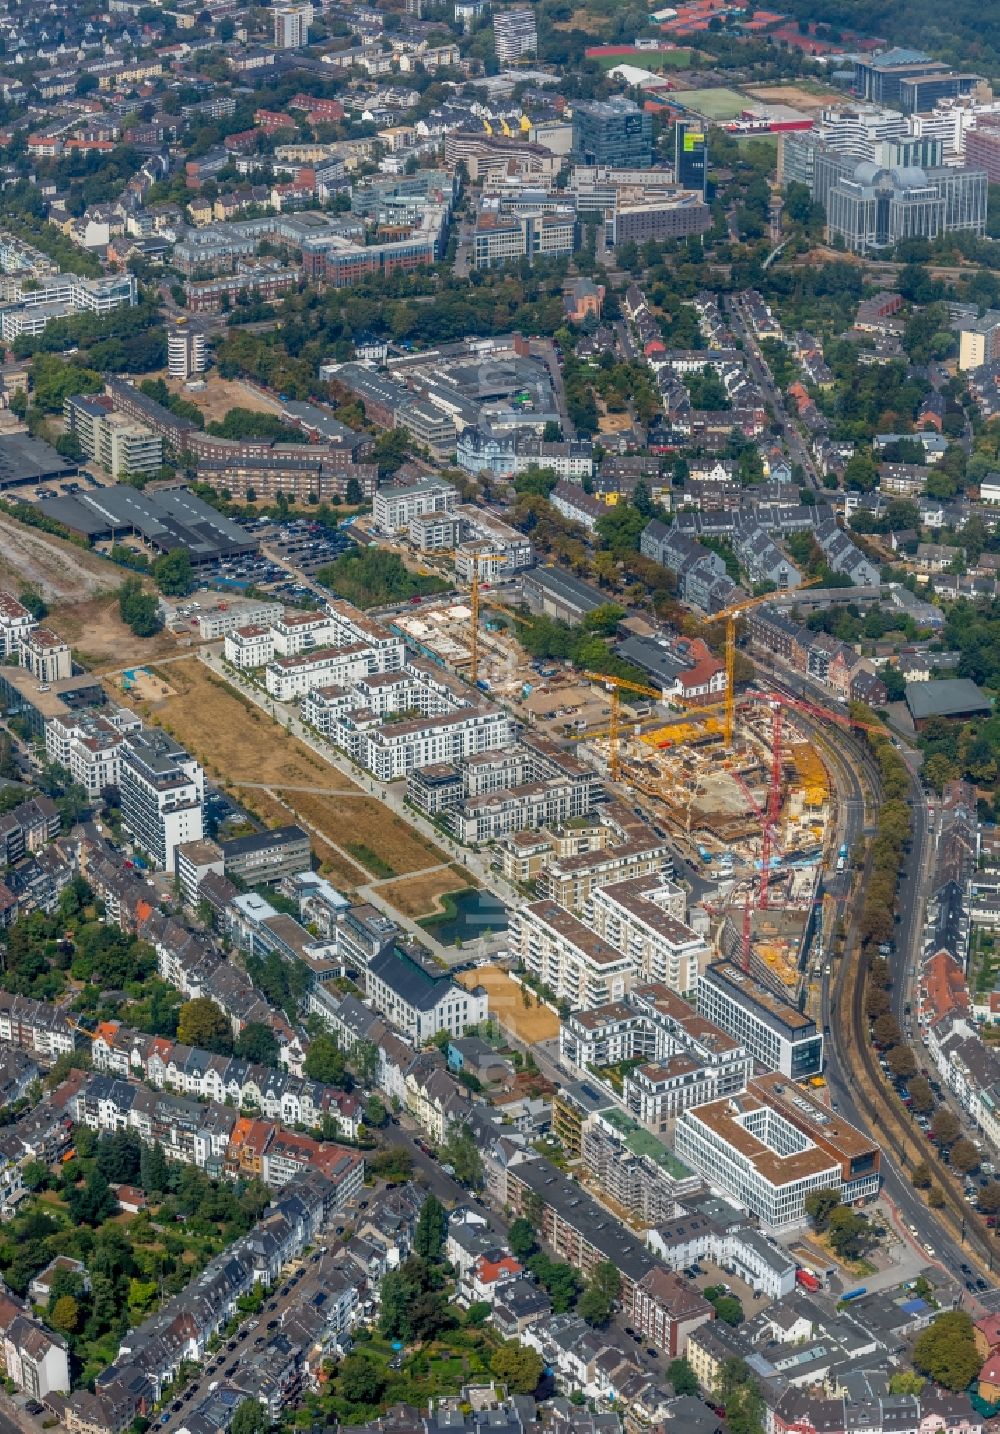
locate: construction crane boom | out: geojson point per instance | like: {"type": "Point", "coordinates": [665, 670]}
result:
{"type": "Point", "coordinates": [616, 685]}
{"type": "Point", "coordinates": [728, 615]}
{"type": "Point", "coordinates": [478, 558]}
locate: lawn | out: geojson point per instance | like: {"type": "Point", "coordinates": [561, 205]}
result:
{"type": "Point", "coordinates": [418, 896]}
{"type": "Point", "coordinates": [381, 842]}
{"type": "Point", "coordinates": [232, 738]}
{"type": "Point", "coordinates": [715, 103]}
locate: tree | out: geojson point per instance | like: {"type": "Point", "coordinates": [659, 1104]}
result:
{"type": "Point", "coordinates": [65, 1315]}
{"type": "Point", "coordinates": [964, 1156]}
{"type": "Point", "coordinates": [945, 1127]}
{"type": "Point", "coordinates": [946, 1350]}
{"type": "Point", "coordinates": [202, 1023]}
{"type": "Point", "coordinates": [850, 1233]}
{"type": "Point", "coordinates": [820, 1205]}
{"type": "Point", "coordinates": [729, 1310]}
{"type": "Point", "coordinates": [250, 1418]}
{"type": "Point", "coordinates": [922, 1176]}
{"type": "Point", "coordinates": [989, 1198]}
{"type": "Point", "coordinates": [462, 1153]}
{"type": "Point", "coordinates": [325, 1062]}
{"type": "Point", "coordinates": [921, 1095]}
{"type": "Point", "coordinates": [519, 1367]}
{"type": "Point", "coordinates": [257, 1042]}
{"type": "Point", "coordinates": [154, 1172]}
{"type": "Point", "coordinates": [361, 1378]}
{"type": "Point", "coordinates": [906, 1382]}
{"type": "Point", "coordinates": [364, 1062]}
{"type": "Point", "coordinates": [598, 1300]}
{"type": "Point", "coordinates": [138, 609]}
{"type": "Point", "coordinates": [35, 1175]}
{"type": "Point", "coordinates": [886, 1032]}
{"type": "Point", "coordinates": [376, 1114]}
{"type": "Point", "coordinates": [521, 1238]}
{"type": "Point", "coordinates": [682, 1376]}
{"type": "Point", "coordinates": [173, 573]}
{"type": "Point", "coordinates": [432, 1224]}
{"type": "Point", "coordinates": [902, 1062]}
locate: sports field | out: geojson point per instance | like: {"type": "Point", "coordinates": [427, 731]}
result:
{"type": "Point", "coordinates": [648, 60]}
{"type": "Point", "coordinates": [529, 1022]}
{"type": "Point", "coordinates": [716, 103]}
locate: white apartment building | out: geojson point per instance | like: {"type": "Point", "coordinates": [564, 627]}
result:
{"type": "Point", "coordinates": [295, 632]}
{"type": "Point", "coordinates": [565, 956]}
{"type": "Point", "coordinates": [681, 1059]}
{"type": "Point", "coordinates": [87, 745]}
{"type": "Point", "coordinates": [125, 447]}
{"type": "Point", "coordinates": [218, 621]}
{"type": "Point", "coordinates": [430, 532]}
{"type": "Point", "coordinates": [290, 677]}
{"type": "Point", "coordinates": [16, 622]}
{"type": "Point", "coordinates": [186, 351]}
{"type": "Point", "coordinates": [523, 808]}
{"type": "Point", "coordinates": [644, 918]}
{"type": "Point", "coordinates": [46, 656]}
{"type": "Point", "coordinates": [515, 34]}
{"type": "Point", "coordinates": [395, 749]}
{"type": "Point", "coordinates": [571, 880]}
{"type": "Point", "coordinates": [772, 1146]}
{"type": "Point", "coordinates": [419, 1000]}
{"type": "Point", "coordinates": [249, 647]}
{"type": "Point", "coordinates": [162, 795]}
{"type": "Point", "coordinates": [291, 26]}
{"type": "Point", "coordinates": [395, 507]}
{"type": "Point", "coordinates": [775, 1032]}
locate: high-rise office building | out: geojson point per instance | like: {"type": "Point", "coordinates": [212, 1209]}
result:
{"type": "Point", "coordinates": [870, 207]}
{"type": "Point", "coordinates": [691, 157]}
{"type": "Point", "coordinates": [615, 132]}
{"type": "Point", "coordinates": [515, 34]}
{"type": "Point", "coordinates": [908, 80]}
{"type": "Point", "coordinates": [291, 26]}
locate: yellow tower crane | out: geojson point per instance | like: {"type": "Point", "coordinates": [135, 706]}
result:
{"type": "Point", "coordinates": [478, 558]}
{"type": "Point", "coordinates": [615, 686]}
{"type": "Point", "coordinates": [729, 616]}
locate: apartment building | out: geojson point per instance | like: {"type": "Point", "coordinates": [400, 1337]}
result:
{"type": "Point", "coordinates": [121, 445]}
{"type": "Point", "coordinates": [216, 622]}
{"type": "Point", "coordinates": [644, 918]}
{"type": "Point", "coordinates": [395, 507]}
{"type": "Point", "coordinates": [267, 856]}
{"type": "Point", "coordinates": [291, 26]}
{"type": "Point", "coordinates": [249, 647]}
{"type": "Point", "coordinates": [565, 956]}
{"type": "Point", "coordinates": [395, 749]}
{"type": "Point", "coordinates": [571, 881]}
{"type": "Point", "coordinates": [772, 1146]}
{"type": "Point", "coordinates": [418, 999]}
{"type": "Point", "coordinates": [45, 1032]}
{"type": "Point", "coordinates": [290, 677]}
{"type": "Point", "coordinates": [16, 622]}
{"type": "Point", "coordinates": [633, 1168]}
{"type": "Point", "coordinates": [681, 1058]}
{"type": "Point", "coordinates": [528, 807]}
{"type": "Point", "coordinates": [162, 794]}
{"type": "Point", "coordinates": [774, 1032]}
{"type": "Point", "coordinates": [46, 656]}
{"type": "Point", "coordinates": [87, 745]}
{"type": "Point", "coordinates": [515, 34]}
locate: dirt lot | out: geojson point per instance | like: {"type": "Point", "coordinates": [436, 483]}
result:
{"type": "Point", "coordinates": [529, 1023]}
{"type": "Point", "coordinates": [62, 571]}
{"type": "Point", "coordinates": [233, 739]}
{"type": "Point", "coordinates": [365, 828]}
{"type": "Point", "coordinates": [420, 895]}
{"type": "Point", "coordinates": [800, 99]}
{"type": "Point", "coordinates": [221, 394]}
{"type": "Point", "coordinates": [99, 638]}
{"type": "Point", "coordinates": [614, 422]}
{"type": "Point", "coordinates": [345, 874]}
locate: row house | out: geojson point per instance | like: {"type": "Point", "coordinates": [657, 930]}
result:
{"type": "Point", "coordinates": [37, 1027]}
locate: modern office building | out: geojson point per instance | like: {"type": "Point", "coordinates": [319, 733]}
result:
{"type": "Point", "coordinates": [908, 80]}
{"type": "Point", "coordinates": [515, 34]}
{"type": "Point", "coordinates": [501, 238]}
{"type": "Point", "coordinates": [291, 26]}
{"type": "Point", "coordinates": [691, 157]}
{"type": "Point", "coordinates": [870, 208]}
{"type": "Point", "coordinates": [775, 1032]}
{"type": "Point", "coordinates": [772, 1145]}
{"type": "Point", "coordinates": [613, 132]}
{"type": "Point", "coordinates": [162, 795]}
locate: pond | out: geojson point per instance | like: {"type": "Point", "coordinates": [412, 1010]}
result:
{"type": "Point", "coordinates": [469, 915]}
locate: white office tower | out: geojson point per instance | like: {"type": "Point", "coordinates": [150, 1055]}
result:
{"type": "Point", "coordinates": [162, 795]}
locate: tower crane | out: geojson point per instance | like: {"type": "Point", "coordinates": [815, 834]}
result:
{"type": "Point", "coordinates": [615, 686]}
{"type": "Point", "coordinates": [478, 558]}
{"type": "Point", "coordinates": [729, 616]}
